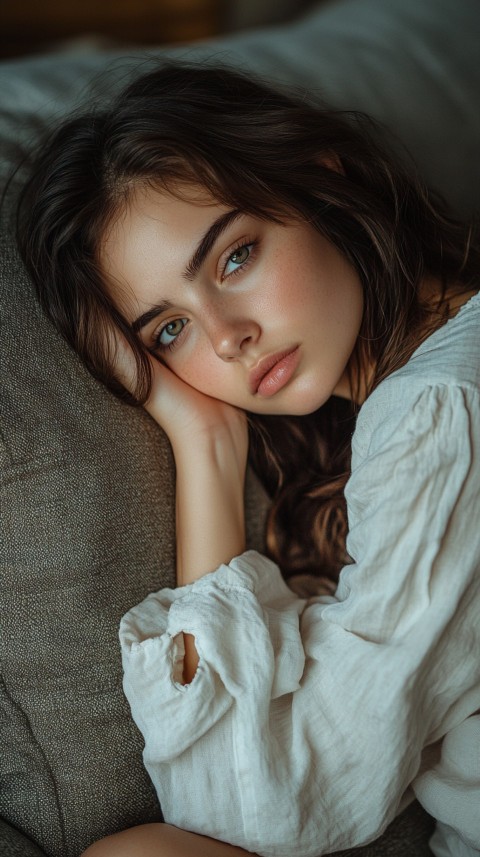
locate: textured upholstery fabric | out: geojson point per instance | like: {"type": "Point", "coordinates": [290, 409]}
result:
{"type": "Point", "coordinates": [87, 525]}
{"type": "Point", "coordinates": [407, 836]}
{"type": "Point", "coordinates": [87, 483]}
{"type": "Point", "coordinates": [14, 844]}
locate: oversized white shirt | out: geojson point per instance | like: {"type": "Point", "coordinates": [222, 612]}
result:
{"type": "Point", "coordinates": [308, 723]}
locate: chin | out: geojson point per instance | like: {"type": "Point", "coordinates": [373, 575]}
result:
{"type": "Point", "coordinates": [296, 406]}
{"type": "Point", "coordinates": [307, 401]}
{"type": "Point", "coordinates": [300, 411]}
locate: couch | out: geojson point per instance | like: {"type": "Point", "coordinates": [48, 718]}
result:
{"type": "Point", "coordinates": [87, 486]}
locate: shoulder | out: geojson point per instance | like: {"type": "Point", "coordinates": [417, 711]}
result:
{"type": "Point", "coordinates": [436, 391]}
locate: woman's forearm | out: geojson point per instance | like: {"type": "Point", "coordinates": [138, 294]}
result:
{"type": "Point", "coordinates": [210, 507]}
{"type": "Point", "coordinates": [210, 515]}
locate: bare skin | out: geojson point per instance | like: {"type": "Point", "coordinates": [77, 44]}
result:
{"type": "Point", "coordinates": [161, 840]}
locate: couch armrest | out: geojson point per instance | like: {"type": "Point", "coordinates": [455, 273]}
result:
{"type": "Point", "coordinates": [15, 844]}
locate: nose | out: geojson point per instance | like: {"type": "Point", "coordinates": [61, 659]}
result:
{"type": "Point", "coordinates": [232, 338]}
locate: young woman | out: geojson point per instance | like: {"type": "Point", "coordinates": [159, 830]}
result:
{"type": "Point", "coordinates": [267, 282]}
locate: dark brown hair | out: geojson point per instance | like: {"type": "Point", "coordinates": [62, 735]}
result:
{"type": "Point", "coordinates": [263, 151]}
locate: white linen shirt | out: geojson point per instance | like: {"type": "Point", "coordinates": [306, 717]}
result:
{"type": "Point", "coordinates": [307, 722]}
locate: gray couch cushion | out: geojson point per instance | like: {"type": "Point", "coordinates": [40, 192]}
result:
{"type": "Point", "coordinates": [14, 844]}
{"type": "Point", "coordinates": [87, 485]}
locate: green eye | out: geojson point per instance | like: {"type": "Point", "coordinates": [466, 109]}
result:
{"type": "Point", "coordinates": [169, 333]}
{"type": "Point", "coordinates": [237, 259]}
{"type": "Point", "coordinates": [240, 256]}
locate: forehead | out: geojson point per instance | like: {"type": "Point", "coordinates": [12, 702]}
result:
{"type": "Point", "coordinates": [153, 236]}
{"type": "Point", "coordinates": [151, 212]}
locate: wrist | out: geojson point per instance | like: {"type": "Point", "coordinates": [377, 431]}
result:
{"type": "Point", "coordinates": [210, 509]}
{"type": "Point", "coordinates": [219, 449]}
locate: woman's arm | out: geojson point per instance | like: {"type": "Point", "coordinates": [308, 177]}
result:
{"type": "Point", "coordinates": [210, 444]}
{"type": "Point", "coordinates": [210, 522]}
{"type": "Point", "coordinates": [210, 526]}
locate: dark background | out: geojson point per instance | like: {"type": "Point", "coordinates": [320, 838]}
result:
{"type": "Point", "coordinates": [36, 26]}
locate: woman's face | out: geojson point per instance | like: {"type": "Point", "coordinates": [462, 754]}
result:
{"type": "Point", "coordinates": [261, 315]}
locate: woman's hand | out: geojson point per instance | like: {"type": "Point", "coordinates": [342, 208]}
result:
{"type": "Point", "coordinates": [186, 415]}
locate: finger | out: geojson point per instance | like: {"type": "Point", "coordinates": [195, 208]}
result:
{"type": "Point", "coordinates": [123, 360]}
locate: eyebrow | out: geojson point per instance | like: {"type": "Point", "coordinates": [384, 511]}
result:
{"type": "Point", "coordinates": [207, 242]}
{"type": "Point", "coordinates": [203, 249]}
{"type": "Point", "coordinates": [150, 314]}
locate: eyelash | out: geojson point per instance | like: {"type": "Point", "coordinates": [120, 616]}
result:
{"type": "Point", "coordinates": [251, 246]}
{"type": "Point", "coordinates": [159, 346]}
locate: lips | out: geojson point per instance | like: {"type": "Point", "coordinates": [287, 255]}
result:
{"type": "Point", "coordinates": [266, 369]}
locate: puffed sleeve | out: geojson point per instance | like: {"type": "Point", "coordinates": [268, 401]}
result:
{"type": "Point", "coordinates": [306, 721]}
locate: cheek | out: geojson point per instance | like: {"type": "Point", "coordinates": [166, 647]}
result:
{"type": "Point", "coordinates": [292, 288]}
{"type": "Point", "coordinates": [202, 370]}
{"type": "Point", "coordinates": [279, 299]}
